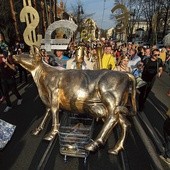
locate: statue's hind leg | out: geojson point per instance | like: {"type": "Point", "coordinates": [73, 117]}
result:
{"type": "Point", "coordinates": [110, 121]}
{"type": "Point", "coordinates": [124, 123]}
{"type": "Point", "coordinates": [107, 128]}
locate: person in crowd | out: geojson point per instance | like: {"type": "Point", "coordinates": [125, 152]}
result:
{"type": "Point", "coordinates": [59, 59]}
{"type": "Point", "coordinates": [71, 50]}
{"type": "Point", "coordinates": [134, 58]}
{"type": "Point", "coordinates": [153, 67]}
{"type": "Point", "coordinates": [123, 64]}
{"type": "Point", "coordinates": [141, 52]}
{"type": "Point", "coordinates": [3, 44]}
{"type": "Point", "coordinates": [108, 60]}
{"type": "Point", "coordinates": [7, 69]}
{"type": "Point", "coordinates": [94, 58]}
{"type": "Point", "coordinates": [117, 54]}
{"type": "Point", "coordinates": [112, 44]}
{"type": "Point", "coordinates": [22, 71]}
{"type": "Point", "coordinates": [18, 45]}
{"type": "Point", "coordinates": [167, 61]}
{"type": "Point", "coordinates": [163, 55]}
{"type": "Point", "coordinates": [129, 47]}
{"type": "Point", "coordinates": [137, 72]}
{"type": "Point", "coordinates": [80, 61]}
{"type": "Point", "coordinates": [147, 53]}
{"type": "Point", "coordinates": [45, 56]}
{"type": "Point", "coordinates": [1, 90]}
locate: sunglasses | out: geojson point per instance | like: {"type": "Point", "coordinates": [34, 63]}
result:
{"type": "Point", "coordinates": [156, 55]}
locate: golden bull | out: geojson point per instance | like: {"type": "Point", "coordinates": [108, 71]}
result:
{"type": "Point", "coordinates": [101, 93]}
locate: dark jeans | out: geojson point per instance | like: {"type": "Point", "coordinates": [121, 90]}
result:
{"type": "Point", "coordinates": [144, 92]}
{"type": "Point", "coordinates": [22, 71]}
{"type": "Point", "coordinates": [7, 86]}
{"type": "Point", "coordinates": [1, 90]}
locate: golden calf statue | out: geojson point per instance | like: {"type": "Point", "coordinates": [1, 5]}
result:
{"type": "Point", "coordinates": [101, 93]}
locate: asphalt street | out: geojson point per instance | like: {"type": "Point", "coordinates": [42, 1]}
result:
{"type": "Point", "coordinates": [144, 143]}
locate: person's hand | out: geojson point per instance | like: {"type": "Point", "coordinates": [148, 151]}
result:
{"type": "Point", "coordinates": [4, 60]}
{"type": "Point", "coordinates": [159, 74]}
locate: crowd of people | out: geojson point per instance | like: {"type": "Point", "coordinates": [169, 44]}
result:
{"type": "Point", "coordinates": [145, 63]}
{"type": "Point", "coordinates": [8, 71]}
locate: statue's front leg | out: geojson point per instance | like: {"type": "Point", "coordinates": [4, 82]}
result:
{"type": "Point", "coordinates": [55, 125]}
{"type": "Point", "coordinates": [42, 124]}
{"type": "Point", "coordinates": [104, 133]}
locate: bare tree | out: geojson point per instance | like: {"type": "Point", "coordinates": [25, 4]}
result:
{"type": "Point", "coordinates": [151, 10]}
{"type": "Point", "coordinates": [164, 16]}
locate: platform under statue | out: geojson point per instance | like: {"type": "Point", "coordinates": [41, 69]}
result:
{"type": "Point", "coordinates": [101, 93]}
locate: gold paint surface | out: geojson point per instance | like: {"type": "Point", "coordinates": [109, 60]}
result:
{"type": "Point", "coordinates": [122, 18]}
{"type": "Point", "coordinates": [100, 93]}
{"type": "Point", "coordinates": [29, 15]}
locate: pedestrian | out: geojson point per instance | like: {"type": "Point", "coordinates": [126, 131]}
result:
{"type": "Point", "coordinates": [163, 55]}
{"type": "Point", "coordinates": [134, 58]}
{"type": "Point", "coordinates": [45, 56]}
{"type": "Point", "coordinates": [147, 53]}
{"type": "Point", "coordinates": [167, 61]}
{"type": "Point", "coordinates": [8, 70]}
{"type": "Point", "coordinates": [1, 91]}
{"type": "Point", "coordinates": [137, 72]}
{"type": "Point", "coordinates": [108, 60]}
{"type": "Point", "coordinates": [123, 64]}
{"type": "Point", "coordinates": [59, 59]}
{"type": "Point", "coordinates": [141, 52]}
{"type": "Point", "coordinates": [22, 71]}
{"type": "Point", "coordinates": [153, 67]}
{"type": "Point", "coordinates": [3, 44]}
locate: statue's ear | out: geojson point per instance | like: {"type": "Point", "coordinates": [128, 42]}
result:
{"type": "Point", "coordinates": [37, 54]}
{"type": "Point", "coordinates": [36, 49]}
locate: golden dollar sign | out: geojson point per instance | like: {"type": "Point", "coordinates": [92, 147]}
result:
{"type": "Point", "coordinates": [122, 19]}
{"type": "Point", "coordinates": [29, 15]}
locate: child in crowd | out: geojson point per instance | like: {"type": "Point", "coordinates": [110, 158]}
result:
{"type": "Point", "coordinates": [137, 72]}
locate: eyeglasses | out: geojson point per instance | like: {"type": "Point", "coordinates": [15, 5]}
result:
{"type": "Point", "coordinates": [156, 55]}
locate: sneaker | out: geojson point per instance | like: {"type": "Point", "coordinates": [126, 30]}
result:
{"type": "Point", "coordinates": [7, 109]}
{"type": "Point", "coordinates": [19, 101]}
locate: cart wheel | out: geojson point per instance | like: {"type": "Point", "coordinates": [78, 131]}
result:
{"type": "Point", "coordinates": [65, 158]}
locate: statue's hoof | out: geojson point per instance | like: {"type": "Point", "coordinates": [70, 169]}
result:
{"type": "Point", "coordinates": [111, 151]}
{"type": "Point", "coordinates": [92, 146]}
{"type": "Point", "coordinates": [49, 137]}
{"type": "Point", "coordinates": [115, 151]}
{"type": "Point", "coordinates": [36, 131]}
